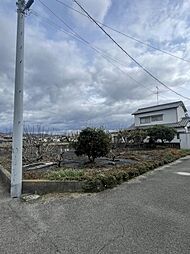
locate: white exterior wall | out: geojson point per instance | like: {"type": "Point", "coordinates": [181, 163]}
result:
{"type": "Point", "coordinates": [185, 140]}
{"type": "Point", "coordinates": [169, 116]}
{"type": "Point", "coordinates": [180, 113]}
{"type": "Point", "coordinates": [175, 140]}
{"type": "Point", "coordinates": [179, 131]}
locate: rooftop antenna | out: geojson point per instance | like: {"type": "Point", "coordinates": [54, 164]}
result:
{"type": "Point", "coordinates": [157, 93]}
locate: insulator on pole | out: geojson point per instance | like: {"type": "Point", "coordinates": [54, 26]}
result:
{"type": "Point", "coordinates": [28, 5]}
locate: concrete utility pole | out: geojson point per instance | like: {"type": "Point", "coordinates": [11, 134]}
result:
{"type": "Point", "coordinates": [16, 171]}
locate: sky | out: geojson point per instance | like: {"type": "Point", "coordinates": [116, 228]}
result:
{"type": "Point", "coordinates": [69, 86]}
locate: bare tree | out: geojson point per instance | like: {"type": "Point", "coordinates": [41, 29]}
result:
{"type": "Point", "coordinates": [39, 145]}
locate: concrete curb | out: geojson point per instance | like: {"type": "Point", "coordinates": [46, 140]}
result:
{"type": "Point", "coordinates": [46, 186]}
{"type": "Point", "coordinates": [6, 177]}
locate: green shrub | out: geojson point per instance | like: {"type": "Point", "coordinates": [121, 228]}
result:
{"type": "Point", "coordinates": [125, 176]}
{"type": "Point", "coordinates": [109, 181]}
{"type": "Point", "coordinates": [133, 173]}
{"type": "Point", "coordinates": [119, 177]}
{"type": "Point", "coordinates": [142, 169]}
{"type": "Point", "coordinates": [93, 185]}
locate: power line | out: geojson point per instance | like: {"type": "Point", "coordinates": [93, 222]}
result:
{"type": "Point", "coordinates": [97, 50]}
{"type": "Point", "coordinates": [124, 34]}
{"type": "Point", "coordinates": [132, 58]}
{"type": "Point", "coordinates": [81, 39]}
{"type": "Point", "coordinates": [51, 23]}
{"type": "Point", "coordinates": [75, 35]}
{"type": "Point", "coordinates": [69, 27]}
{"type": "Point", "coordinates": [101, 53]}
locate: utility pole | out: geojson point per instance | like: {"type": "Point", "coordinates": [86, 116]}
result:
{"type": "Point", "coordinates": [16, 170]}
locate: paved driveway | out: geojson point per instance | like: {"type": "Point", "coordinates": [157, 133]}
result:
{"type": "Point", "coordinates": [150, 214]}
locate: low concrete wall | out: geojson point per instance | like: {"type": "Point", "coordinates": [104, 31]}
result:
{"type": "Point", "coordinates": [6, 177]}
{"type": "Point", "coordinates": [45, 186]}
{"type": "Point", "coordinates": [42, 186]}
{"type": "Point", "coordinates": [185, 140]}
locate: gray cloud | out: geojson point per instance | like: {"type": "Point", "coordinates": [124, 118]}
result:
{"type": "Point", "coordinates": [97, 8]}
{"type": "Point", "coordinates": [69, 87]}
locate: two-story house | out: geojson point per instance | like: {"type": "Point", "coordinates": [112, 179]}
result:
{"type": "Point", "coordinates": [172, 114]}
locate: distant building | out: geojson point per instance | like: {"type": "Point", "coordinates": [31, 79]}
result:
{"type": "Point", "coordinates": [172, 114]}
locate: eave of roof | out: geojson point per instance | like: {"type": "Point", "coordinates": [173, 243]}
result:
{"type": "Point", "coordinates": [160, 107]}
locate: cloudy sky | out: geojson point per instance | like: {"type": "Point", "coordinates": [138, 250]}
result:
{"type": "Point", "coordinates": [68, 85]}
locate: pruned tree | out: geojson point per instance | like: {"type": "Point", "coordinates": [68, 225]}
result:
{"type": "Point", "coordinates": [93, 142]}
{"type": "Point", "coordinates": [123, 136]}
{"type": "Point", "coordinates": [135, 136]}
{"type": "Point", "coordinates": [39, 145]}
{"type": "Point", "coordinates": [161, 132]}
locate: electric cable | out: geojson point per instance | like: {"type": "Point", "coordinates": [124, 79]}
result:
{"type": "Point", "coordinates": [124, 34]}
{"type": "Point", "coordinates": [132, 58]}
{"type": "Point", "coordinates": [97, 50]}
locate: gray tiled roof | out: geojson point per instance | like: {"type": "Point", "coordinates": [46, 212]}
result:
{"type": "Point", "coordinates": [181, 124]}
{"type": "Point", "coordinates": [160, 107]}
{"type": "Point", "coordinates": [184, 121]}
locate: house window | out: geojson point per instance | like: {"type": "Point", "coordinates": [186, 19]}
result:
{"type": "Point", "coordinates": [144, 120]}
{"type": "Point", "coordinates": [157, 118]}
{"type": "Point", "coordinates": [149, 119]}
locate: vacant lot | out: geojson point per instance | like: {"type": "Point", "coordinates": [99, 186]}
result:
{"type": "Point", "coordinates": [120, 165]}
{"type": "Point", "coordinates": [78, 168]}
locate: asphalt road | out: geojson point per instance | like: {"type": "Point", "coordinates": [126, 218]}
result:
{"type": "Point", "coordinates": [150, 214]}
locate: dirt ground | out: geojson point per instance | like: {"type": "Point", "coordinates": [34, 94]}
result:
{"type": "Point", "coordinates": [70, 160]}
{"type": "Point", "coordinates": [116, 159]}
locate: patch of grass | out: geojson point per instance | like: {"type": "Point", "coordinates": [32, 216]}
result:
{"type": "Point", "coordinates": [185, 151]}
{"type": "Point", "coordinates": [65, 174]}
